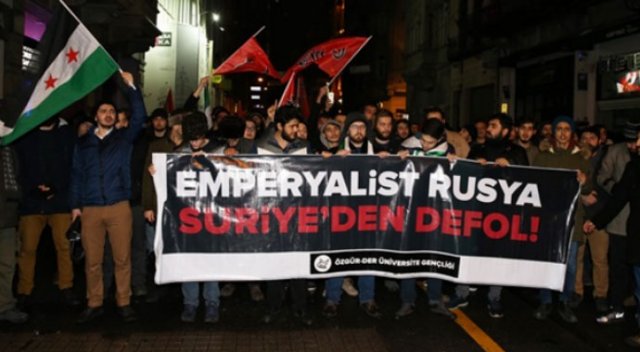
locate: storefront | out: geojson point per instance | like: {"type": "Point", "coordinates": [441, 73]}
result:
{"type": "Point", "coordinates": [618, 94]}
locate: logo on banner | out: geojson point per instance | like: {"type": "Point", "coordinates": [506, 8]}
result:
{"type": "Point", "coordinates": [339, 53]}
{"type": "Point", "coordinates": [322, 264]}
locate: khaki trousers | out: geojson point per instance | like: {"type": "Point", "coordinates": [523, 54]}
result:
{"type": "Point", "coordinates": [98, 222]}
{"type": "Point", "coordinates": [30, 228]}
{"type": "Point", "coordinates": [599, 248]}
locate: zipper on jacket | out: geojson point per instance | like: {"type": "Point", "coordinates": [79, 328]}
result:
{"type": "Point", "coordinates": [100, 150]}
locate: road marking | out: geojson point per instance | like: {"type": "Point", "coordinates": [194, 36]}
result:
{"type": "Point", "coordinates": [478, 335]}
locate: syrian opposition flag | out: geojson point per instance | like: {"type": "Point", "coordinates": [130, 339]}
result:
{"type": "Point", "coordinates": [72, 64]}
{"type": "Point", "coordinates": [331, 56]}
{"type": "Point", "coordinates": [250, 57]}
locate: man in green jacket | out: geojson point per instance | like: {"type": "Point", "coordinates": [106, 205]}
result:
{"type": "Point", "coordinates": [562, 152]}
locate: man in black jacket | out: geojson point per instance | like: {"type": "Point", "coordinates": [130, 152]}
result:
{"type": "Point", "coordinates": [45, 158]}
{"type": "Point", "coordinates": [498, 149]}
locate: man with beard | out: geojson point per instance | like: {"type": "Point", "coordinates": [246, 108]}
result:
{"type": "Point", "coordinates": [355, 142]}
{"type": "Point", "coordinates": [526, 132]}
{"type": "Point", "coordinates": [100, 193]}
{"type": "Point", "coordinates": [497, 148]}
{"type": "Point", "coordinates": [382, 139]}
{"type": "Point", "coordinates": [598, 240]}
{"type": "Point", "coordinates": [611, 171]}
{"type": "Point", "coordinates": [284, 141]}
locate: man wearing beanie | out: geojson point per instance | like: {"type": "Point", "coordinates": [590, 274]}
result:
{"type": "Point", "coordinates": [562, 152]}
{"type": "Point", "coordinates": [329, 138]}
{"type": "Point", "coordinates": [613, 164]}
{"type": "Point", "coordinates": [355, 142]}
{"type": "Point", "coordinates": [355, 131]}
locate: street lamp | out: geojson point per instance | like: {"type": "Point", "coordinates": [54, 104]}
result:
{"type": "Point", "coordinates": [216, 17]}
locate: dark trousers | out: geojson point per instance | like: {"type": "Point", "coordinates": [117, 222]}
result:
{"type": "Point", "coordinates": [297, 289]}
{"type": "Point", "coordinates": [619, 271]}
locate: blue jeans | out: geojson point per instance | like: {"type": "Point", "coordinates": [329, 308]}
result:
{"type": "Point", "coordinates": [569, 279]}
{"type": "Point", "coordinates": [408, 290]}
{"type": "Point", "coordinates": [191, 293]}
{"type": "Point", "coordinates": [366, 289]}
{"type": "Point", "coordinates": [494, 294]}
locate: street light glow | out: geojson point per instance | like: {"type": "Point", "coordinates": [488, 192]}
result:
{"type": "Point", "coordinates": [216, 17]}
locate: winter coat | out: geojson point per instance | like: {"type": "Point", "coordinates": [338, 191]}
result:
{"type": "Point", "coordinates": [611, 170]}
{"type": "Point", "coordinates": [101, 172]}
{"type": "Point", "coordinates": [626, 192]}
{"type": "Point", "coordinates": [515, 154]}
{"type": "Point", "coordinates": [574, 159]}
{"type": "Point", "coordinates": [45, 159]}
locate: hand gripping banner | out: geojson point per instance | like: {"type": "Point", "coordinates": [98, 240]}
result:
{"type": "Point", "coordinates": [278, 217]}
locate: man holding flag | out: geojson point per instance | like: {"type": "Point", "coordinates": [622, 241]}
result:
{"type": "Point", "coordinates": [100, 192]}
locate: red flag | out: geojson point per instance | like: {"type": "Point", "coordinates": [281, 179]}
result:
{"type": "Point", "coordinates": [248, 58]}
{"type": "Point", "coordinates": [289, 92]}
{"type": "Point", "coordinates": [331, 56]}
{"type": "Point", "coordinates": [168, 103]}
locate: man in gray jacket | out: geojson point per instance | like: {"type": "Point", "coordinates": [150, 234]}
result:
{"type": "Point", "coordinates": [9, 196]}
{"type": "Point", "coordinates": [611, 171]}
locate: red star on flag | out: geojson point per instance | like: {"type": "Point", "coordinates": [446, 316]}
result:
{"type": "Point", "coordinates": [50, 82]}
{"type": "Point", "coordinates": [72, 55]}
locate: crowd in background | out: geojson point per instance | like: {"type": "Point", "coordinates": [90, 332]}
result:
{"type": "Point", "coordinates": [99, 170]}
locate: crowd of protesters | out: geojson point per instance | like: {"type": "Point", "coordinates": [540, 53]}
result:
{"type": "Point", "coordinates": [101, 172]}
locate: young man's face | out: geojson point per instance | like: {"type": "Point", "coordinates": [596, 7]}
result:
{"type": "Point", "coordinates": [332, 133]}
{"type": "Point", "coordinates": [428, 142]}
{"type": "Point", "coordinates": [495, 131]}
{"type": "Point", "coordinates": [289, 131]}
{"type": "Point", "coordinates": [302, 132]}
{"type": "Point", "coordinates": [106, 116]}
{"type": "Point", "coordinates": [402, 129]}
{"type": "Point", "coordinates": [590, 140]}
{"type": "Point", "coordinates": [563, 133]}
{"type": "Point", "coordinates": [357, 132]}
{"type": "Point", "coordinates": [526, 131]}
{"type": "Point", "coordinates": [159, 124]}
{"type": "Point", "coordinates": [384, 127]}
{"type": "Point", "coordinates": [198, 143]}
{"type": "Point", "coordinates": [122, 120]}
{"type": "Point", "coordinates": [369, 112]}
{"type": "Point", "coordinates": [250, 130]}
{"type": "Point", "coordinates": [341, 118]}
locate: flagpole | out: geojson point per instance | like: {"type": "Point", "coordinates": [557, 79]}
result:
{"type": "Point", "coordinates": [88, 31]}
{"type": "Point", "coordinates": [230, 56]}
{"type": "Point", "coordinates": [348, 62]}
{"type": "Point", "coordinates": [258, 32]}
{"type": "Point", "coordinates": [286, 89]}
